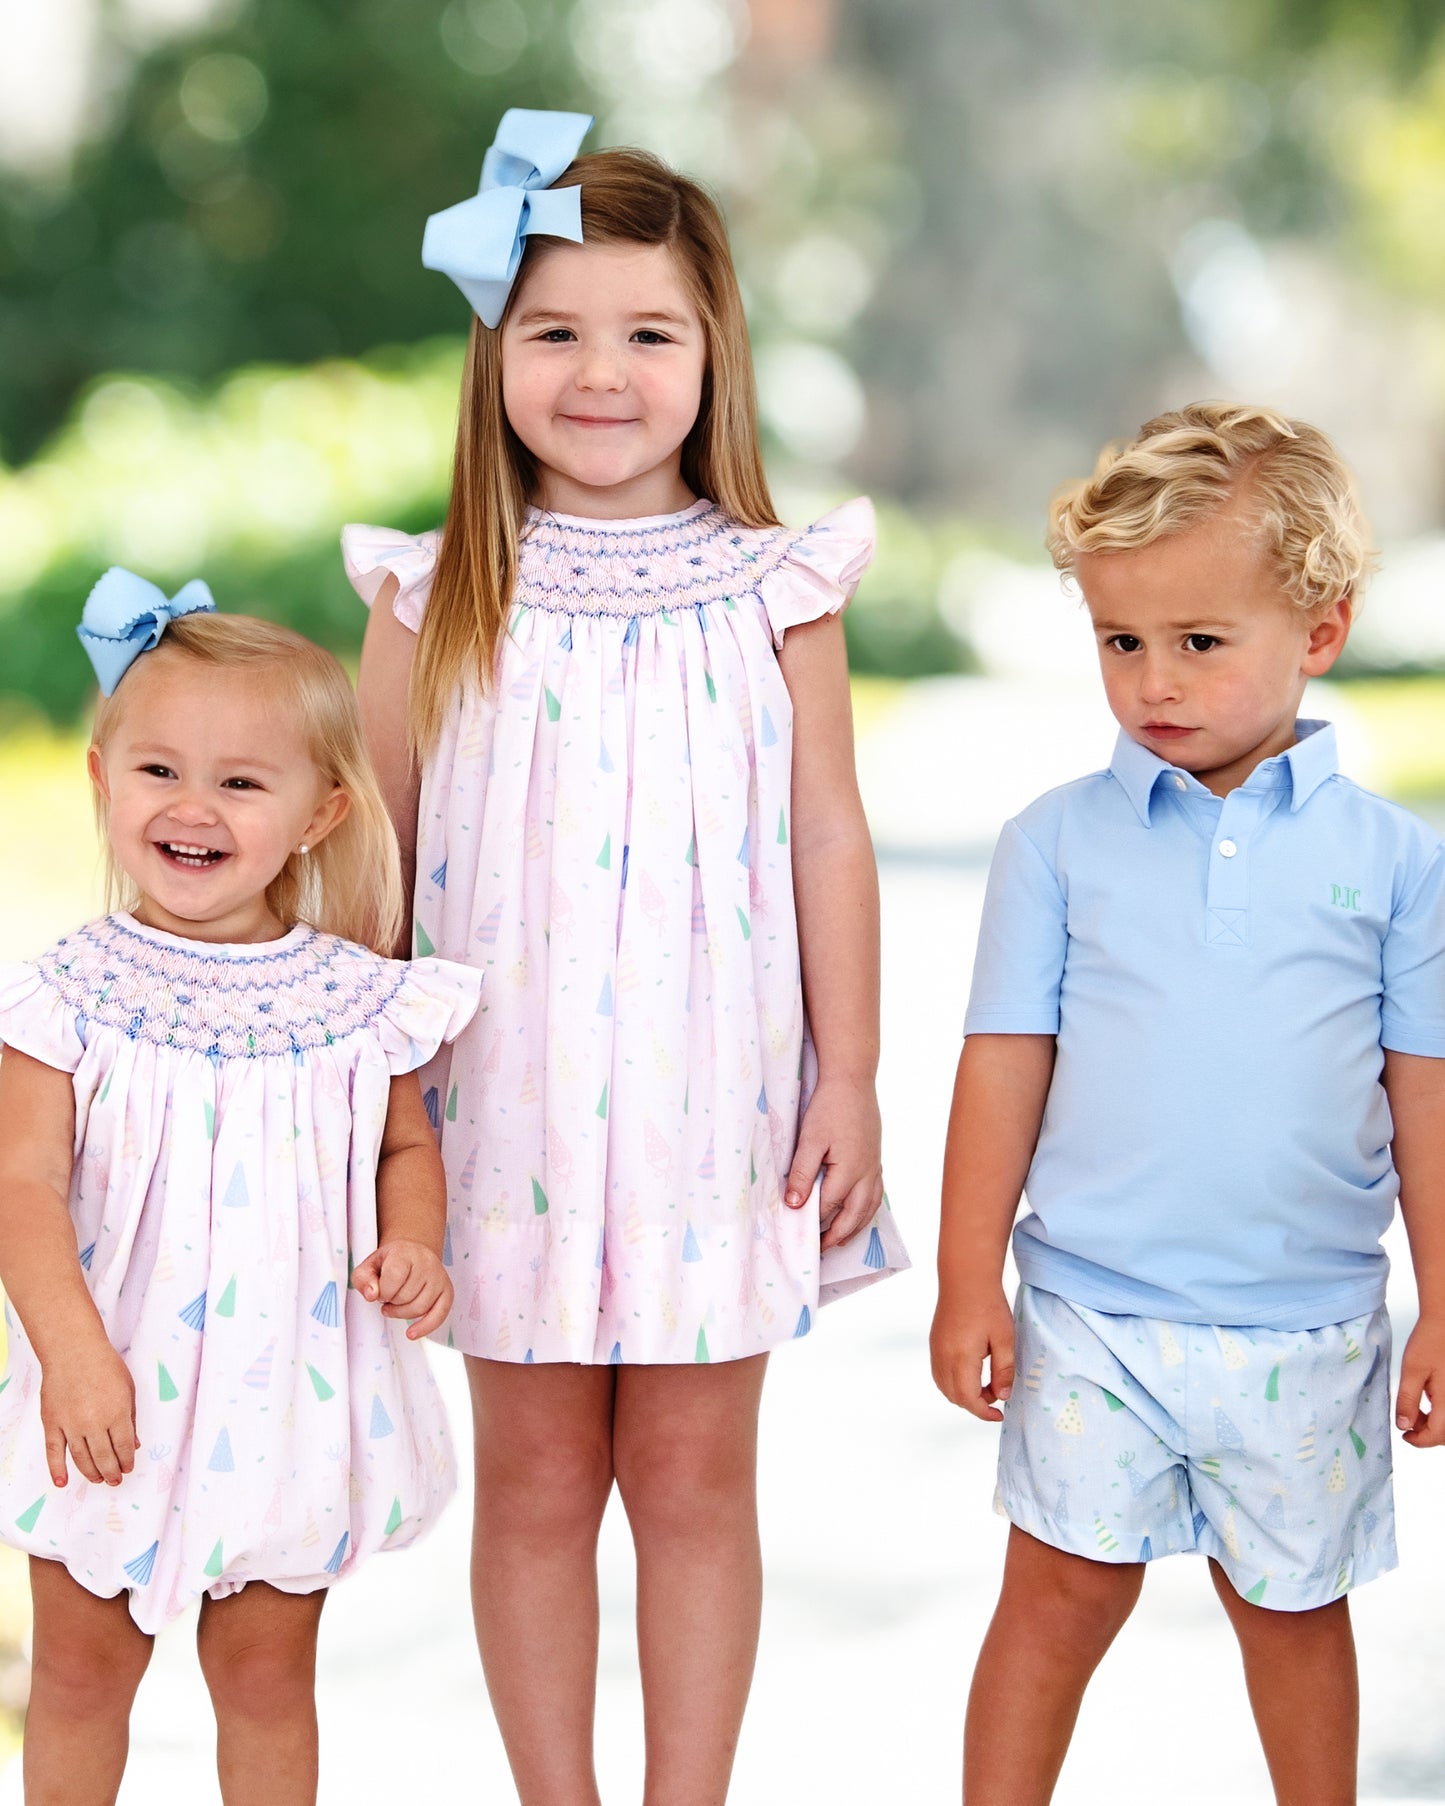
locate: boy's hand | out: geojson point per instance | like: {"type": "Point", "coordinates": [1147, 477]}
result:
{"type": "Point", "coordinates": [409, 1280]}
{"type": "Point", "coordinates": [1422, 1376]}
{"type": "Point", "coordinates": [841, 1133]}
{"type": "Point", "coordinates": [964, 1335]}
{"type": "Point", "coordinates": [87, 1405]}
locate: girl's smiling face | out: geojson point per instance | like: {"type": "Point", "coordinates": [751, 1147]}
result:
{"type": "Point", "coordinates": [603, 358]}
{"type": "Point", "coordinates": [209, 789]}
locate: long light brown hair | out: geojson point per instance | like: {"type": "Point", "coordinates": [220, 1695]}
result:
{"type": "Point", "coordinates": [349, 883]}
{"type": "Point", "coordinates": [628, 197]}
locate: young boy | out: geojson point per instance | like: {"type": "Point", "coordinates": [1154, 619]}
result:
{"type": "Point", "coordinates": [1207, 1027]}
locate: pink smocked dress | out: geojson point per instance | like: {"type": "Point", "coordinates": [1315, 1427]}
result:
{"type": "Point", "coordinates": [229, 1106]}
{"type": "Point", "coordinates": [606, 832]}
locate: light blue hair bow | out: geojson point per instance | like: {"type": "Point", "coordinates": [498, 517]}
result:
{"type": "Point", "coordinates": [124, 615]}
{"type": "Point", "coordinates": [478, 243]}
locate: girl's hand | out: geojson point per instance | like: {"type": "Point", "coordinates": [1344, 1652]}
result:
{"type": "Point", "coordinates": [1422, 1377]}
{"type": "Point", "coordinates": [842, 1133]}
{"type": "Point", "coordinates": [409, 1280]}
{"type": "Point", "coordinates": [963, 1336]}
{"type": "Point", "coordinates": [87, 1405]}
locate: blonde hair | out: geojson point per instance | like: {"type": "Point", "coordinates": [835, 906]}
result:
{"type": "Point", "coordinates": [1291, 484]}
{"type": "Point", "coordinates": [349, 884]}
{"type": "Point", "coordinates": [628, 197]}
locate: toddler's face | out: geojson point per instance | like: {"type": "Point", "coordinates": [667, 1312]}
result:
{"type": "Point", "coordinates": [603, 357]}
{"type": "Point", "coordinates": [211, 789]}
{"type": "Point", "coordinates": [1204, 656]}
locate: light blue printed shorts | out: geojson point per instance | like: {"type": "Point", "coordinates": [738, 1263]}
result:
{"type": "Point", "coordinates": [1128, 1438]}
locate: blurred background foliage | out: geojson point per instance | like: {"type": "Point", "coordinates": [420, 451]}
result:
{"type": "Point", "coordinates": [976, 241]}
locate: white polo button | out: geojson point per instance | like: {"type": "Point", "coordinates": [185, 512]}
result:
{"type": "Point", "coordinates": [1228, 849]}
{"type": "Point", "coordinates": [1180, 783]}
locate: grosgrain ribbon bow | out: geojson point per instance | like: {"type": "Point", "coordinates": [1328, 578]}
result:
{"type": "Point", "coordinates": [478, 243]}
{"type": "Point", "coordinates": [124, 615]}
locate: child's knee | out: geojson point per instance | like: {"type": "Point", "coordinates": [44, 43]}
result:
{"type": "Point", "coordinates": [259, 1678]}
{"type": "Point", "coordinates": [86, 1676]}
{"type": "Point", "coordinates": [1075, 1598]}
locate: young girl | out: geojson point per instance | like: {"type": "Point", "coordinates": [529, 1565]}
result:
{"type": "Point", "coordinates": [206, 1116]}
{"type": "Point", "coordinates": [635, 809]}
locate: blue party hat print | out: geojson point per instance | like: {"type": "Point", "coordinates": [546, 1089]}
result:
{"type": "Point", "coordinates": [140, 1569]}
{"type": "Point", "coordinates": [194, 1313]}
{"type": "Point", "coordinates": [690, 1249]}
{"type": "Point", "coordinates": [874, 1257]}
{"type": "Point", "coordinates": [338, 1554]}
{"type": "Point", "coordinates": [805, 1322]}
{"type": "Point", "coordinates": [381, 1424]}
{"type": "Point", "coordinates": [325, 1310]}
{"type": "Point", "coordinates": [222, 1460]}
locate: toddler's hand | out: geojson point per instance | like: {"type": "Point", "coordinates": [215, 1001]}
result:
{"type": "Point", "coordinates": [1422, 1376]}
{"type": "Point", "coordinates": [409, 1280]}
{"type": "Point", "coordinates": [87, 1405]}
{"type": "Point", "coordinates": [963, 1336]}
{"type": "Point", "coordinates": [842, 1134]}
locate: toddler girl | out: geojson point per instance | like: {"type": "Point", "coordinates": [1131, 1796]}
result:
{"type": "Point", "coordinates": [206, 1117]}
{"type": "Point", "coordinates": [632, 804]}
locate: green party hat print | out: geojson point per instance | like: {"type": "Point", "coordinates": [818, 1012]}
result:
{"type": "Point", "coordinates": [27, 1519]}
{"type": "Point", "coordinates": [165, 1385]}
{"type": "Point", "coordinates": [212, 1569]}
{"type": "Point", "coordinates": [702, 1353]}
{"type": "Point", "coordinates": [539, 1199]}
{"type": "Point", "coordinates": [323, 1389]}
{"type": "Point", "coordinates": [424, 946]}
{"type": "Point", "coordinates": [393, 1522]}
{"type": "Point", "coordinates": [227, 1305]}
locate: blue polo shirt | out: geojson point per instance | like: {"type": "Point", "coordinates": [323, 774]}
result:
{"type": "Point", "coordinates": [1222, 976]}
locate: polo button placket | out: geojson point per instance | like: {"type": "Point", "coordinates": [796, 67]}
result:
{"type": "Point", "coordinates": [1226, 915]}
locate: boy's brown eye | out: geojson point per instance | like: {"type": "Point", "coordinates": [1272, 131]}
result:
{"type": "Point", "coordinates": [1202, 642]}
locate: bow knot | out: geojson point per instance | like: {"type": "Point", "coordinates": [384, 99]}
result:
{"type": "Point", "coordinates": [478, 243]}
{"type": "Point", "coordinates": [125, 615]}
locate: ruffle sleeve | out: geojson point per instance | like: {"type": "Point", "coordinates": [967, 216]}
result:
{"type": "Point", "coordinates": [35, 1020]}
{"type": "Point", "coordinates": [434, 1002]}
{"type": "Point", "coordinates": [822, 568]}
{"type": "Point", "coordinates": [372, 554]}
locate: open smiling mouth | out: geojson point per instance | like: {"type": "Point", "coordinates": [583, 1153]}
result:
{"type": "Point", "coordinates": [195, 859]}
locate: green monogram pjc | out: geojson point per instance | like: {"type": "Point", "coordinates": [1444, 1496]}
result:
{"type": "Point", "coordinates": [1343, 897]}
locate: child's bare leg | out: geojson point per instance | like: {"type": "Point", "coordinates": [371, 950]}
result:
{"type": "Point", "coordinates": [258, 1654]}
{"type": "Point", "coordinates": [685, 1449]}
{"type": "Point", "coordinates": [1303, 1686]}
{"type": "Point", "coordinates": [544, 1472]}
{"type": "Point", "coordinates": [87, 1661]}
{"type": "Point", "coordinates": [1056, 1616]}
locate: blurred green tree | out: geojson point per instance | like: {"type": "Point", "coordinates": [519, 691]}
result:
{"type": "Point", "coordinates": [250, 197]}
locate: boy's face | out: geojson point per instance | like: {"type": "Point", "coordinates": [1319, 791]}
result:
{"type": "Point", "coordinates": [1204, 656]}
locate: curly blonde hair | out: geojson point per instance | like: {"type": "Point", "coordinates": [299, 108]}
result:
{"type": "Point", "coordinates": [1286, 477]}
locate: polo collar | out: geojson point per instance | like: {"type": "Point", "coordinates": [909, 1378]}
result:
{"type": "Point", "coordinates": [1303, 766]}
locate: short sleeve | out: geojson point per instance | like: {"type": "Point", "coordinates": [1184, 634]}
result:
{"type": "Point", "coordinates": [1018, 969]}
{"type": "Point", "coordinates": [822, 568]}
{"type": "Point", "coordinates": [434, 1002]}
{"type": "Point", "coordinates": [372, 554]}
{"type": "Point", "coordinates": [35, 1020]}
{"type": "Point", "coordinates": [1412, 1012]}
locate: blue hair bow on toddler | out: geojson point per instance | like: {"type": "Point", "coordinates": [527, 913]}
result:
{"type": "Point", "coordinates": [478, 243]}
{"type": "Point", "coordinates": [124, 615]}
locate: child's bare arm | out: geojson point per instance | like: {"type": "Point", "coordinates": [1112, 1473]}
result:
{"type": "Point", "coordinates": [835, 888]}
{"type": "Point", "coordinates": [998, 1108]}
{"type": "Point", "coordinates": [87, 1397]}
{"type": "Point", "coordinates": [382, 684]}
{"type": "Point", "coordinates": [406, 1274]}
{"type": "Point", "coordinates": [1415, 1085]}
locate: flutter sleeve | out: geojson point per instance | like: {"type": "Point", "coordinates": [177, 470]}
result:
{"type": "Point", "coordinates": [822, 568]}
{"type": "Point", "coordinates": [372, 554]}
{"type": "Point", "coordinates": [35, 1020]}
{"type": "Point", "coordinates": [434, 1002]}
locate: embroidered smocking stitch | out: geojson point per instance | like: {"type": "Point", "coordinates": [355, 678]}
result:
{"type": "Point", "coordinates": [231, 1005]}
{"type": "Point", "coordinates": [705, 558]}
